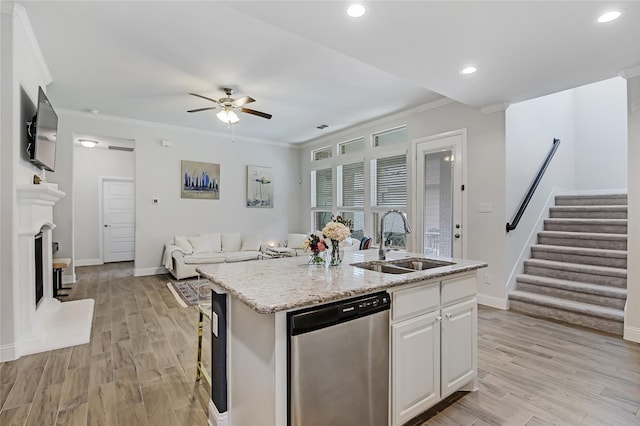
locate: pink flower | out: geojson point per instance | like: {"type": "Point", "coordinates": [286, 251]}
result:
{"type": "Point", "coordinates": [321, 246]}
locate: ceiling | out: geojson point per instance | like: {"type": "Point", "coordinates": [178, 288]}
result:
{"type": "Point", "coordinates": [308, 64]}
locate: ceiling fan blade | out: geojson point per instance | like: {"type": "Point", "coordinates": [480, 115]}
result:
{"type": "Point", "coordinates": [204, 97]}
{"type": "Point", "coordinates": [258, 113]}
{"type": "Point", "coordinates": [242, 101]}
{"type": "Point", "coordinates": [201, 109]}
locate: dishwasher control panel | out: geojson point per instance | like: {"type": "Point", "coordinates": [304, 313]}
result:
{"type": "Point", "coordinates": [318, 317]}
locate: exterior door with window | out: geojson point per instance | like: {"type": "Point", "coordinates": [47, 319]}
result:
{"type": "Point", "coordinates": [439, 174]}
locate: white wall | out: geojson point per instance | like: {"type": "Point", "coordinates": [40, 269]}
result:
{"type": "Point", "coordinates": [157, 175]}
{"type": "Point", "coordinates": [632, 311]}
{"type": "Point", "coordinates": [23, 70]}
{"type": "Point", "coordinates": [531, 128]}
{"type": "Point", "coordinates": [601, 135]}
{"type": "Point", "coordinates": [484, 235]}
{"type": "Point", "coordinates": [89, 166]}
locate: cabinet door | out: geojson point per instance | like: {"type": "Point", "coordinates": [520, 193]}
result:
{"type": "Point", "coordinates": [415, 368]}
{"type": "Point", "coordinates": [459, 345]}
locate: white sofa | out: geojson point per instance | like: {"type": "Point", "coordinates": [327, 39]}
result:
{"type": "Point", "coordinates": [184, 254]}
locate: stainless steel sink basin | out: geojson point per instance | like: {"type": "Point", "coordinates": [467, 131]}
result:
{"type": "Point", "coordinates": [402, 266]}
{"type": "Point", "coordinates": [419, 263]}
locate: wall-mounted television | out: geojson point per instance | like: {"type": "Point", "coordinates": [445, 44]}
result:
{"type": "Point", "coordinates": [43, 130]}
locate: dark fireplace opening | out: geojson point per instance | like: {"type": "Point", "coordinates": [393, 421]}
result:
{"type": "Point", "coordinates": [39, 268]}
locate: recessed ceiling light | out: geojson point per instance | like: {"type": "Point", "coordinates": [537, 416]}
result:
{"type": "Point", "coordinates": [468, 70]}
{"type": "Point", "coordinates": [88, 143]}
{"type": "Point", "coordinates": [609, 16]}
{"type": "Point", "coordinates": [356, 10]}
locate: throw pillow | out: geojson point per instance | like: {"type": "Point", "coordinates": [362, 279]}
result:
{"type": "Point", "coordinates": [231, 242]}
{"type": "Point", "coordinates": [183, 244]}
{"type": "Point", "coordinates": [296, 241]}
{"type": "Point", "coordinates": [251, 243]}
{"type": "Point", "coordinates": [200, 244]}
{"type": "Point", "coordinates": [216, 242]}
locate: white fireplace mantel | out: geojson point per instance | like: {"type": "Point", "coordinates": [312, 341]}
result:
{"type": "Point", "coordinates": [51, 324]}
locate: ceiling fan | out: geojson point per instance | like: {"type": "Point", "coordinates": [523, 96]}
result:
{"type": "Point", "coordinates": [229, 106]}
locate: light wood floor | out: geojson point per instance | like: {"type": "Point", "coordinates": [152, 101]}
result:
{"type": "Point", "coordinates": [139, 368]}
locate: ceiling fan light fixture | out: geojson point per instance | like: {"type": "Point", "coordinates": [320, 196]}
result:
{"type": "Point", "coordinates": [88, 143]}
{"type": "Point", "coordinates": [228, 116]}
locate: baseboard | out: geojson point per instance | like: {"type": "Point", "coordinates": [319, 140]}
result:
{"type": "Point", "coordinates": [88, 262]}
{"type": "Point", "coordinates": [141, 272]}
{"type": "Point", "coordinates": [631, 333]}
{"type": "Point", "coordinates": [8, 352]}
{"type": "Point", "coordinates": [492, 301]}
{"type": "Point", "coordinates": [69, 279]}
{"type": "Point", "coordinates": [216, 418]}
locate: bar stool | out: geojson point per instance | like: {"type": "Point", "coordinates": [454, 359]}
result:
{"type": "Point", "coordinates": [58, 266]}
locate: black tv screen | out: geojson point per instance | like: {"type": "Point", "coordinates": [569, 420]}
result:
{"type": "Point", "coordinates": [43, 132]}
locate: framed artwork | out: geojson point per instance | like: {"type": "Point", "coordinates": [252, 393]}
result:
{"type": "Point", "coordinates": [200, 180]}
{"type": "Point", "coordinates": [259, 187]}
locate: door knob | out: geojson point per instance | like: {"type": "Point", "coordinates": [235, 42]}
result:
{"type": "Point", "coordinates": [457, 235]}
{"type": "Point", "coordinates": [107, 226]}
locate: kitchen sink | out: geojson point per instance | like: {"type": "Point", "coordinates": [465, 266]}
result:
{"type": "Point", "coordinates": [402, 266]}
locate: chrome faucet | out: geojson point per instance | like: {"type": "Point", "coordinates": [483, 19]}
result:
{"type": "Point", "coordinates": [407, 229]}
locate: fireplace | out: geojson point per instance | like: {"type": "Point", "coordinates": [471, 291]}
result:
{"type": "Point", "coordinates": [39, 267]}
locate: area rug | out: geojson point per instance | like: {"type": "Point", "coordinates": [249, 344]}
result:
{"type": "Point", "coordinates": [187, 293]}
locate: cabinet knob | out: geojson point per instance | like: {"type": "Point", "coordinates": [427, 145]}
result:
{"type": "Point", "coordinates": [438, 318]}
{"type": "Point", "coordinates": [448, 315]}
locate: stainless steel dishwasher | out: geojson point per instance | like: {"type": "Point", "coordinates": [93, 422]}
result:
{"type": "Point", "coordinates": [338, 363]}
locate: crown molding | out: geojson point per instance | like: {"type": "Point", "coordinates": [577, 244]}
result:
{"type": "Point", "coordinates": [490, 109]}
{"type": "Point", "coordinates": [437, 103]}
{"type": "Point", "coordinates": [157, 125]}
{"type": "Point", "coordinates": [21, 17]}
{"type": "Point", "coordinates": [630, 72]}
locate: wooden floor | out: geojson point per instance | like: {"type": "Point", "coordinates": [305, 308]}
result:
{"type": "Point", "coordinates": [139, 368]}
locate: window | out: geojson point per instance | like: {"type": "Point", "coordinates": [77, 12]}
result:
{"type": "Point", "coordinates": [354, 145]}
{"type": "Point", "coordinates": [321, 187]}
{"type": "Point", "coordinates": [389, 137]}
{"type": "Point", "coordinates": [390, 177]}
{"type": "Point", "coordinates": [321, 154]}
{"type": "Point", "coordinates": [389, 190]}
{"type": "Point", "coordinates": [351, 196]}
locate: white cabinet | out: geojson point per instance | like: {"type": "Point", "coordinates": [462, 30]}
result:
{"type": "Point", "coordinates": [433, 343]}
{"type": "Point", "coordinates": [458, 345]}
{"type": "Point", "coordinates": [416, 360]}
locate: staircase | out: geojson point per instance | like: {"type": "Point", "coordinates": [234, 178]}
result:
{"type": "Point", "coordinates": [577, 272]}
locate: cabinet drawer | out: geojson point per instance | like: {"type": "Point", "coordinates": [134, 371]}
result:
{"type": "Point", "coordinates": [457, 289]}
{"type": "Point", "coordinates": [414, 301]}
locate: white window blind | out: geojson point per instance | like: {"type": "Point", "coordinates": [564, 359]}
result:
{"type": "Point", "coordinates": [391, 181]}
{"type": "Point", "coordinates": [323, 189]}
{"type": "Point", "coordinates": [353, 185]}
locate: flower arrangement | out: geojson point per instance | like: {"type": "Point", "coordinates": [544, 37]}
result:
{"type": "Point", "coordinates": [316, 245]}
{"type": "Point", "coordinates": [337, 231]}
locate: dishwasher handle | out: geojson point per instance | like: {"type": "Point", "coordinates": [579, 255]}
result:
{"type": "Point", "coordinates": [316, 318]}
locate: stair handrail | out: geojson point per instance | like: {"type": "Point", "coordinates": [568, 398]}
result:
{"type": "Point", "coordinates": [525, 201]}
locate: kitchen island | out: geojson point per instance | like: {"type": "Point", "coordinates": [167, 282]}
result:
{"type": "Point", "coordinates": [250, 342]}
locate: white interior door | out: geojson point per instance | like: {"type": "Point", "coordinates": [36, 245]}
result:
{"type": "Point", "coordinates": [118, 213]}
{"type": "Point", "coordinates": [439, 174]}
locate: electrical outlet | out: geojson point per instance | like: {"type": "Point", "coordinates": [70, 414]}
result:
{"type": "Point", "coordinates": [487, 278]}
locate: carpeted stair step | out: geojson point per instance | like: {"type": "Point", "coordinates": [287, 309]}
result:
{"type": "Point", "coordinates": [602, 275]}
{"type": "Point", "coordinates": [588, 212]}
{"type": "Point", "coordinates": [596, 200]}
{"type": "Point", "coordinates": [597, 317]}
{"type": "Point", "coordinates": [612, 297]}
{"type": "Point", "coordinates": [587, 256]}
{"type": "Point", "coordinates": [607, 226]}
{"type": "Point", "coordinates": [583, 239]}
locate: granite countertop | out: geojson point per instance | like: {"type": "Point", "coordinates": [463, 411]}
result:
{"type": "Point", "coordinates": [272, 285]}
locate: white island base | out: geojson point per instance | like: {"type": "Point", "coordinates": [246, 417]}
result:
{"type": "Point", "coordinates": [433, 346]}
